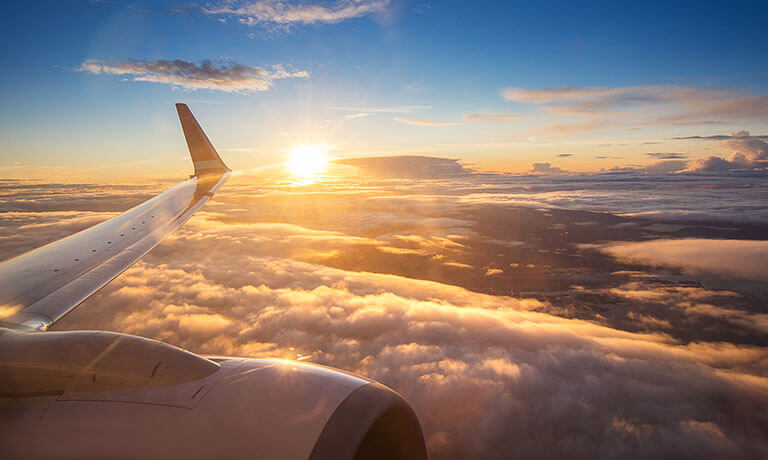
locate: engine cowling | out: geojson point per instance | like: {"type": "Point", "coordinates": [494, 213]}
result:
{"type": "Point", "coordinates": [103, 395]}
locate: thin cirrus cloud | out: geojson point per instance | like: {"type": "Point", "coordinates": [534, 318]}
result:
{"type": "Point", "coordinates": [420, 122]}
{"type": "Point", "coordinates": [227, 77]}
{"type": "Point", "coordinates": [384, 109]}
{"type": "Point", "coordinates": [362, 112]}
{"type": "Point", "coordinates": [578, 127]}
{"type": "Point", "coordinates": [271, 12]}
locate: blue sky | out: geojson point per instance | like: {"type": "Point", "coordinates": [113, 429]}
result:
{"type": "Point", "coordinates": [382, 77]}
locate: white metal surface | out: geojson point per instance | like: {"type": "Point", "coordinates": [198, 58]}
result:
{"type": "Point", "coordinates": [263, 408]}
{"type": "Point", "coordinates": [41, 286]}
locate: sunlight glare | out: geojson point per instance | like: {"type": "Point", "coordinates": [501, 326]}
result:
{"type": "Point", "coordinates": [308, 160]}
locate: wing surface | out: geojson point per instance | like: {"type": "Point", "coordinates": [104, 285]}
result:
{"type": "Point", "coordinates": [39, 287]}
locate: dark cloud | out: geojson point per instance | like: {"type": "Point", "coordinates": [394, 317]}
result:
{"type": "Point", "coordinates": [565, 155]}
{"type": "Point", "coordinates": [724, 137]}
{"type": "Point", "coordinates": [408, 166]}
{"type": "Point", "coordinates": [228, 77]}
{"type": "Point", "coordinates": [667, 156]}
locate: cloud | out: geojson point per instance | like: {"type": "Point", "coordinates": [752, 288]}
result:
{"type": "Point", "coordinates": [233, 77]}
{"type": "Point", "coordinates": [420, 122]}
{"type": "Point", "coordinates": [352, 116]}
{"type": "Point", "coordinates": [745, 259]}
{"type": "Point", "coordinates": [565, 155]}
{"type": "Point", "coordinates": [578, 127]}
{"type": "Point", "coordinates": [667, 156]}
{"type": "Point", "coordinates": [748, 152]}
{"type": "Point", "coordinates": [666, 167]}
{"type": "Point", "coordinates": [725, 137]}
{"type": "Point", "coordinates": [546, 168]}
{"type": "Point", "coordinates": [387, 109]}
{"type": "Point", "coordinates": [490, 117]}
{"type": "Point", "coordinates": [408, 166]}
{"type": "Point", "coordinates": [646, 105]}
{"type": "Point", "coordinates": [490, 376]}
{"type": "Point", "coordinates": [274, 12]}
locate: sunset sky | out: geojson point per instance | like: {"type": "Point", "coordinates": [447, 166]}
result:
{"type": "Point", "coordinates": [544, 223]}
{"type": "Point", "coordinates": [87, 85]}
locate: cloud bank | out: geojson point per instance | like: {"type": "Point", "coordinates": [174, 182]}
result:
{"type": "Point", "coordinates": [740, 258]}
{"type": "Point", "coordinates": [232, 78]}
{"type": "Point", "coordinates": [749, 152]}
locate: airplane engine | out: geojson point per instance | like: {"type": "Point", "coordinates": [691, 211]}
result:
{"type": "Point", "coordinates": [91, 394]}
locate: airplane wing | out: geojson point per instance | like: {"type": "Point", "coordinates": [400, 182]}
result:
{"type": "Point", "coordinates": [39, 287]}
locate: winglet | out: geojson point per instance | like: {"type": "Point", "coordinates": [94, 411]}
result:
{"type": "Point", "coordinates": [204, 156]}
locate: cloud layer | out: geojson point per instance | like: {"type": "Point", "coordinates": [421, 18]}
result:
{"type": "Point", "coordinates": [337, 273]}
{"type": "Point", "coordinates": [232, 77]}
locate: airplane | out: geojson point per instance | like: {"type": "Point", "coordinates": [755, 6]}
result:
{"type": "Point", "coordinates": [98, 394]}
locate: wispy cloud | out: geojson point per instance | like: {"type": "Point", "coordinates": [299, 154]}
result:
{"type": "Point", "coordinates": [352, 116]}
{"type": "Point", "coordinates": [268, 13]}
{"type": "Point", "coordinates": [385, 109]}
{"type": "Point", "coordinates": [492, 117]}
{"type": "Point", "coordinates": [578, 127]}
{"type": "Point", "coordinates": [228, 77]}
{"type": "Point", "coordinates": [420, 122]}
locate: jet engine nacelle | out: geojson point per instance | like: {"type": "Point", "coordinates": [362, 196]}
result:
{"type": "Point", "coordinates": [90, 394]}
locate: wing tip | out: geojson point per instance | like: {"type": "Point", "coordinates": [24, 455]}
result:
{"type": "Point", "coordinates": [204, 156]}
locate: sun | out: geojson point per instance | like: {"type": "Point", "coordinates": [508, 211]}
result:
{"type": "Point", "coordinates": [308, 160]}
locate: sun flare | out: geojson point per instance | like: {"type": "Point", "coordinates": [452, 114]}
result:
{"type": "Point", "coordinates": [308, 160]}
